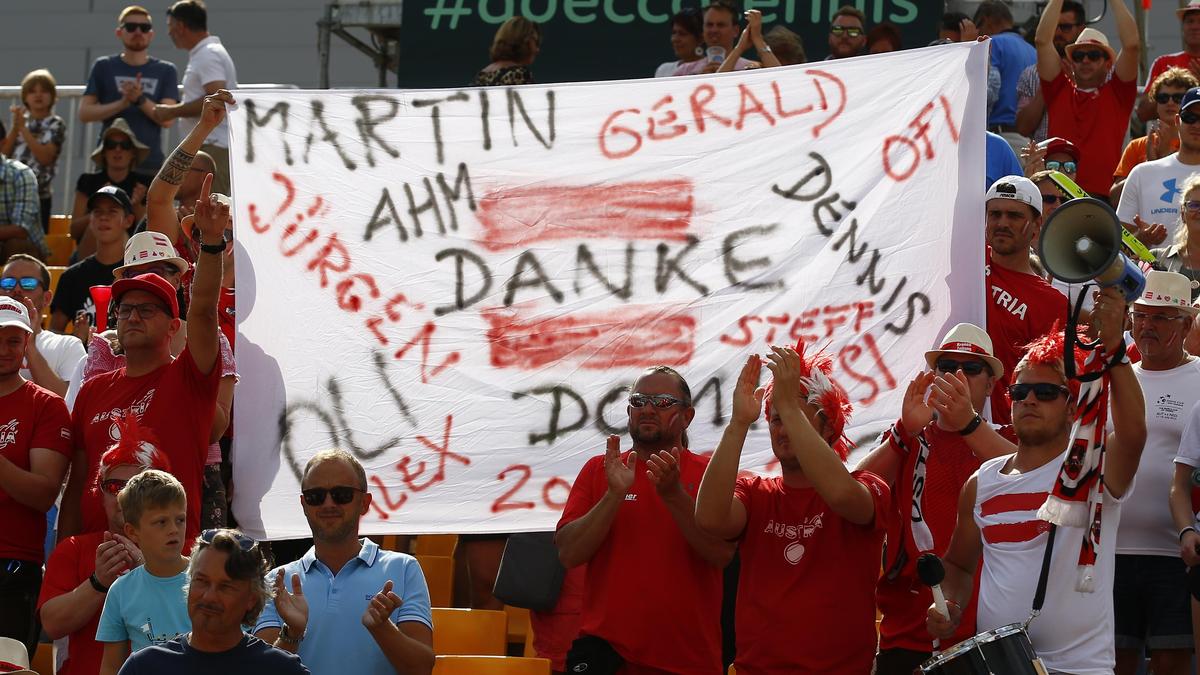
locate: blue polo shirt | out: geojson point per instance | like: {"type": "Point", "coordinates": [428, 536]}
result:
{"type": "Point", "coordinates": [1011, 55]}
{"type": "Point", "coordinates": [335, 642]}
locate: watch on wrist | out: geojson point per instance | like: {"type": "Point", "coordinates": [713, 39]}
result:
{"type": "Point", "coordinates": [971, 426]}
{"type": "Point", "coordinates": [1185, 530]}
{"type": "Point", "coordinates": [215, 249]}
{"type": "Point", "coordinates": [95, 581]}
{"type": "Point", "coordinates": [286, 635]}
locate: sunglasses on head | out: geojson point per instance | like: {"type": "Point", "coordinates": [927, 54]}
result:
{"type": "Point", "coordinates": [113, 485]}
{"type": "Point", "coordinates": [657, 400]}
{"type": "Point", "coordinates": [245, 543]}
{"type": "Point", "coordinates": [134, 26]}
{"type": "Point", "coordinates": [848, 31]}
{"type": "Point", "coordinates": [1163, 97]}
{"type": "Point", "coordinates": [1079, 55]}
{"type": "Point", "coordinates": [1044, 391]}
{"type": "Point", "coordinates": [124, 145]}
{"type": "Point", "coordinates": [1065, 167]}
{"type": "Point", "coordinates": [1189, 117]}
{"type": "Point", "coordinates": [26, 283]}
{"type": "Point", "coordinates": [969, 368]}
{"type": "Point", "coordinates": [342, 495]}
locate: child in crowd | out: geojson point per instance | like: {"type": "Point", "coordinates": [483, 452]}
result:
{"type": "Point", "coordinates": [37, 136]}
{"type": "Point", "coordinates": [147, 606]}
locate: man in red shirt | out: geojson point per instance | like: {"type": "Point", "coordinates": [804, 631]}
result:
{"type": "Point", "coordinates": [35, 447]}
{"type": "Point", "coordinates": [1022, 306]}
{"type": "Point", "coordinates": [1189, 58]}
{"type": "Point", "coordinates": [83, 567]}
{"type": "Point", "coordinates": [174, 397]}
{"type": "Point", "coordinates": [653, 581]}
{"type": "Point", "coordinates": [1089, 108]}
{"type": "Point", "coordinates": [927, 456]}
{"type": "Point", "coordinates": [809, 540]}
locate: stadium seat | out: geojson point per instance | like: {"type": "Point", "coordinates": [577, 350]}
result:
{"type": "Point", "coordinates": [60, 224]}
{"type": "Point", "coordinates": [43, 660]}
{"type": "Point", "coordinates": [469, 632]}
{"type": "Point", "coordinates": [56, 272]}
{"type": "Point", "coordinates": [439, 577]}
{"type": "Point", "coordinates": [490, 665]}
{"type": "Point", "coordinates": [61, 247]}
{"type": "Point", "coordinates": [436, 544]}
{"type": "Point", "coordinates": [518, 624]}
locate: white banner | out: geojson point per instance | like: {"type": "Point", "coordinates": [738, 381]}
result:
{"type": "Point", "coordinates": [459, 285]}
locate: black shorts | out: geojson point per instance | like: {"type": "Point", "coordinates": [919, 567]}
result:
{"type": "Point", "coordinates": [1151, 603]}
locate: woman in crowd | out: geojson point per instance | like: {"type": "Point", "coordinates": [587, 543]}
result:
{"type": "Point", "coordinates": [514, 48]}
{"type": "Point", "coordinates": [37, 135]}
{"type": "Point", "coordinates": [116, 155]}
{"type": "Point", "coordinates": [1162, 134]}
{"type": "Point", "coordinates": [687, 41]}
{"type": "Point", "coordinates": [1179, 256]}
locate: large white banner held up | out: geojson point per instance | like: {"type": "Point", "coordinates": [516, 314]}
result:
{"type": "Point", "coordinates": [459, 285]}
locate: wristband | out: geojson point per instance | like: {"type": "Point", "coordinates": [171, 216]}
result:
{"type": "Point", "coordinates": [1122, 354]}
{"type": "Point", "coordinates": [1184, 531]}
{"type": "Point", "coordinates": [215, 249]}
{"type": "Point", "coordinates": [895, 439]}
{"type": "Point", "coordinates": [140, 100]}
{"type": "Point", "coordinates": [100, 588]}
{"type": "Point", "coordinates": [971, 426]}
{"type": "Point", "coordinates": [287, 637]}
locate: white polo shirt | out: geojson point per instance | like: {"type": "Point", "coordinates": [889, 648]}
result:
{"type": "Point", "coordinates": [209, 62]}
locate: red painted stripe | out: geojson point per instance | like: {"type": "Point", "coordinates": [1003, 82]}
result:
{"type": "Point", "coordinates": [1014, 532]}
{"type": "Point", "coordinates": [628, 337]}
{"type": "Point", "coordinates": [517, 217]}
{"type": "Point", "coordinates": [1025, 501]}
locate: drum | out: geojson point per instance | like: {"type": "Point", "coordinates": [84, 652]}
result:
{"type": "Point", "coordinates": [1004, 651]}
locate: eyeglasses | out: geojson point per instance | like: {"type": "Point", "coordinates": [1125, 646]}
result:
{"type": "Point", "coordinates": [342, 495]}
{"type": "Point", "coordinates": [162, 270]}
{"type": "Point", "coordinates": [1158, 319]}
{"type": "Point", "coordinates": [26, 283]}
{"type": "Point", "coordinates": [660, 401]}
{"type": "Point", "coordinates": [1044, 391]}
{"type": "Point", "coordinates": [1079, 55]}
{"type": "Point", "coordinates": [1065, 167]}
{"type": "Point", "coordinates": [1191, 205]}
{"type": "Point", "coordinates": [113, 485]}
{"type": "Point", "coordinates": [1189, 117]}
{"type": "Point", "coordinates": [124, 145]}
{"type": "Point", "coordinates": [133, 27]}
{"type": "Point", "coordinates": [848, 31]}
{"type": "Point", "coordinates": [146, 310]}
{"type": "Point", "coordinates": [969, 368]}
{"type": "Point", "coordinates": [1163, 97]}
{"type": "Point", "coordinates": [245, 543]}
{"type": "Point", "coordinates": [1052, 199]}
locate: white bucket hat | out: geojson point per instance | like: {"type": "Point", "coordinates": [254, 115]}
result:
{"type": "Point", "coordinates": [968, 339]}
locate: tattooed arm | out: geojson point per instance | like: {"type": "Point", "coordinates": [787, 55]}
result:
{"type": "Point", "coordinates": [160, 200]}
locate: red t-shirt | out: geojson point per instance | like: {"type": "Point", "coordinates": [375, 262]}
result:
{"type": "Point", "coordinates": [653, 598]}
{"type": "Point", "coordinates": [227, 314]}
{"type": "Point", "coordinates": [902, 598]}
{"type": "Point", "coordinates": [806, 591]}
{"type": "Point", "coordinates": [1021, 308]}
{"type": "Point", "coordinates": [71, 563]}
{"type": "Point", "coordinates": [1095, 121]}
{"type": "Point", "coordinates": [30, 417]}
{"type": "Point", "coordinates": [175, 401]}
{"type": "Point", "coordinates": [1162, 63]}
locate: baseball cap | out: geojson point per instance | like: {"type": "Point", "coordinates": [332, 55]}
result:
{"type": "Point", "coordinates": [151, 283]}
{"type": "Point", "coordinates": [1191, 96]}
{"type": "Point", "coordinates": [147, 247]}
{"type": "Point", "coordinates": [1019, 188]}
{"type": "Point", "coordinates": [14, 313]}
{"type": "Point", "coordinates": [1055, 145]}
{"type": "Point", "coordinates": [114, 193]}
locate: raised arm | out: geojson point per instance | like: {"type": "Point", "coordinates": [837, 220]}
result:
{"type": "Point", "coordinates": [579, 539]}
{"type": "Point", "coordinates": [888, 457]}
{"type": "Point", "coordinates": [212, 217]}
{"type": "Point", "coordinates": [160, 200]}
{"type": "Point", "coordinates": [718, 511]}
{"type": "Point", "coordinates": [1049, 63]}
{"type": "Point", "coordinates": [1126, 68]}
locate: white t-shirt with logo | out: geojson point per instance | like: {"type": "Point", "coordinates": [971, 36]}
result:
{"type": "Point", "coordinates": [1146, 524]}
{"type": "Point", "coordinates": [63, 352]}
{"type": "Point", "coordinates": [209, 62]}
{"type": "Point", "coordinates": [1154, 191]}
{"type": "Point", "coordinates": [1075, 631]}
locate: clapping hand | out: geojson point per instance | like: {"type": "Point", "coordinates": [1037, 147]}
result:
{"type": "Point", "coordinates": [292, 607]}
{"type": "Point", "coordinates": [381, 607]}
{"type": "Point", "coordinates": [620, 474]}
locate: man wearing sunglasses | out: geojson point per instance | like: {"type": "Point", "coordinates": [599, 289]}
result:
{"type": "Point", "coordinates": [847, 33]}
{"type": "Point", "coordinates": [382, 623]}
{"type": "Point", "coordinates": [1153, 192]}
{"type": "Point", "coordinates": [128, 85]}
{"type": "Point", "coordinates": [1089, 108]}
{"type": "Point", "coordinates": [51, 359]}
{"type": "Point", "coordinates": [653, 580]}
{"type": "Point", "coordinates": [1188, 59]}
{"type": "Point", "coordinates": [997, 511]}
{"type": "Point", "coordinates": [1031, 105]}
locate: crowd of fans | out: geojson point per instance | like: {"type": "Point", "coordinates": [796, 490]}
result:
{"type": "Point", "coordinates": [122, 406]}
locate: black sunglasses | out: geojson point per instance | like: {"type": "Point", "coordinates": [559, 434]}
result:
{"type": "Point", "coordinates": [1044, 391]}
{"type": "Point", "coordinates": [848, 31]}
{"type": "Point", "coordinates": [1052, 199]}
{"type": "Point", "coordinates": [969, 368]}
{"type": "Point", "coordinates": [1189, 117]}
{"type": "Point", "coordinates": [660, 401]}
{"type": "Point", "coordinates": [26, 283]}
{"type": "Point", "coordinates": [124, 145]}
{"type": "Point", "coordinates": [1079, 55]}
{"type": "Point", "coordinates": [133, 27]}
{"type": "Point", "coordinates": [113, 485]}
{"type": "Point", "coordinates": [245, 543]}
{"type": "Point", "coordinates": [342, 495]}
{"type": "Point", "coordinates": [1163, 97]}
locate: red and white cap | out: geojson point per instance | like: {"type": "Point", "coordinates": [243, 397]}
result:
{"type": "Point", "coordinates": [14, 313]}
{"type": "Point", "coordinates": [1191, 6]}
{"type": "Point", "coordinates": [969, 339]}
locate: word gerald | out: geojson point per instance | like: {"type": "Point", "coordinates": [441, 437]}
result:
{"type": "Point", "coordinates": [624, 12]}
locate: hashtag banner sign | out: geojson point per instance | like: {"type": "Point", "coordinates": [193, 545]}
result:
{"type": "Point", "coordinates": [459, 286]}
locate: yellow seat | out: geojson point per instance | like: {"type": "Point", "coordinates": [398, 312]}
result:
{"type": "Point", "coordinates": [43, 660]}
{"type": "Point", "coordinates": [518, 624]}
{"type": "Point", "coordinates": [490, 665]}
{"type": "Point", "coordinates": [56, 272]}
{"type": "Point", "coordinates": [470, 632]}
{"type": "Point", "coordinates": [439, 577]}
{"type": "Point", "coordinates": [60, 224]}
{"type": "Point", "coordinates": [530, 650]}
{"type": "Point", "coordinates": [61, 247]}
{"type": "Point", "coordinates": [436, 544]}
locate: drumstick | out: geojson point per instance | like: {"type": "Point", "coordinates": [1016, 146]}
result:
{"type": "Point", "coordinates": [931, 573]}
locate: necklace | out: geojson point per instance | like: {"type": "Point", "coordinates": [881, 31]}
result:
{"type": "Point", "coordinates": [1190, 271]}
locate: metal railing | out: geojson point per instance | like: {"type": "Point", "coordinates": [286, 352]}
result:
{"type": "Point", "coordinates": [82, 137]}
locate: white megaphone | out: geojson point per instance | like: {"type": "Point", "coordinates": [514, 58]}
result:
{"type": "Point", "coordinates": [1081, 241]}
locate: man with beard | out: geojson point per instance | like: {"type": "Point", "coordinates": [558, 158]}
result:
{"type": "Point", "coordinates": [632, 512]}
{"type": "Point", "coordinates": [997, 511]}
{"type": "Point", "coordinates": [383, 623]}
{"type": "Point", "coordinates": [1023, 306]}
{"type": "Point", "coordinates": [128, 85]}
